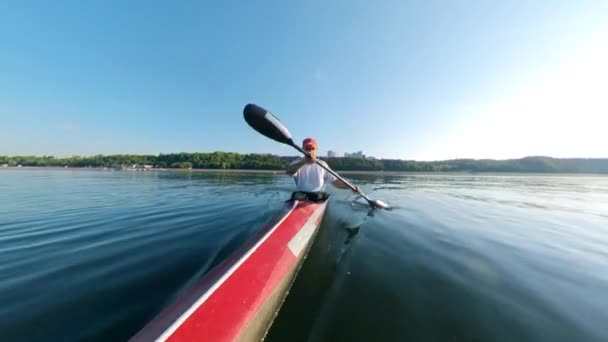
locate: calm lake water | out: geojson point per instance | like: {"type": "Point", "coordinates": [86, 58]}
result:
{"type": "Point", "coordinates": [94, 255]}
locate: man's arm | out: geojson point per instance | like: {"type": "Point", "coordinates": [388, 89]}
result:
{"type": "Point", "coordinates": [293, 168]}
{"type": "Point", "coordinates": [336, 182]}
{"type": "Point", "coordinates": [341, 185]}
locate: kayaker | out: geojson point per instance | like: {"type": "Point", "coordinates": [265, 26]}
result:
{"type": "Point", "coordinates": [311, 178]}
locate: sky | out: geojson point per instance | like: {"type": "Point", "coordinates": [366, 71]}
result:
{"type": "Point", "coordinates": [421, 80]}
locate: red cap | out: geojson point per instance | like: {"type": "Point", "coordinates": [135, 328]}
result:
{"type": "Point", "coordinates": [309, 142]}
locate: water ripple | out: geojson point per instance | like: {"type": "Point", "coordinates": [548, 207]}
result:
{"type": "Point", "coordinates": [461, 257]}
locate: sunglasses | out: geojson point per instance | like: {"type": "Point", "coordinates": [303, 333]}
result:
{"type": "Point", "coordinates": [310, 148]}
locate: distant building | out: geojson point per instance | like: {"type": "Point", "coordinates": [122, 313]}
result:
{"type": "Point", "coordinates": [332, 154]}
{"type": "Point", "coordinates": [4, 165]}
{"type": "Point", "coordinates": [358, 155]}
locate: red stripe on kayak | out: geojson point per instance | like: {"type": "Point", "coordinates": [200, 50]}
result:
{"type": "Point", "coordinates": [226, 313]}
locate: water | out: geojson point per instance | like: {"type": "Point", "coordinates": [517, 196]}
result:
{"type": "Point", "coordinates": [94, 255]}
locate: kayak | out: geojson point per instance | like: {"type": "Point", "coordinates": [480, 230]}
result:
{"type": "Point", "coordinates": [240, 297]}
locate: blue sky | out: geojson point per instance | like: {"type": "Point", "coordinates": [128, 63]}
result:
{"type": "Point", "coordinates": [421, 80]}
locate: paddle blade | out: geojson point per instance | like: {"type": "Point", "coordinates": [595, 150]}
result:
{"type": "Point", "coordinates": [267, 124]}
{"type": "Point", "coordinates": [379, 204]}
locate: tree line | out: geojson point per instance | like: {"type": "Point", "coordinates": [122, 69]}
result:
{"type": "Point", "coordinates": [230, 160]}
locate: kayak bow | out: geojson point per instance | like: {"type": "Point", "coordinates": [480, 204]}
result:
{"type": "Point", "coordinates": [240, 297]}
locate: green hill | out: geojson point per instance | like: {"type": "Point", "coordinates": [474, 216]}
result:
{"type": "Point", "coordinates": [229, 160]}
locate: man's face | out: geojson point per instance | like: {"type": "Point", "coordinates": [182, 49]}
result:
{"type": "Point", "coordinates": [311, 149]}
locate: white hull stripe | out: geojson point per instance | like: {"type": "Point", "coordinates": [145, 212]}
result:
{"type": "Point", "coordinates": [301, 239]}
{"type": "Point", "coordinates": [183, 317]}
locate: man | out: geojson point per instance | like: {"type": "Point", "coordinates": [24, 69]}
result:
{"type": "Point", "coordinates": [310, 177]}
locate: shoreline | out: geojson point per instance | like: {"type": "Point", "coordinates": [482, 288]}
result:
{"type": "Point", "coordinates": [62, 168]}
{"type": "Point", "coordinates": [351, 172]}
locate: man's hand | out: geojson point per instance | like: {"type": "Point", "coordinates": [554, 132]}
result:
{"type": "Point", "coordinates": [293, 168]}
{"type": "Point", "coordinates": [310, 159]}
{"type": "Point", "coordinates": [357, 190]}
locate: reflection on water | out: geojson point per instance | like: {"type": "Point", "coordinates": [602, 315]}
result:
{"type": "Point", "coordinates": [460, 257]}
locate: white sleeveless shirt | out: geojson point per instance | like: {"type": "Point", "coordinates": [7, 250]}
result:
{"type": "Point", "coordinates": [312, 177]}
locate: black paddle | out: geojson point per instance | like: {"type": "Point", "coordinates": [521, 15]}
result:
{"type": "Point", "coordinates": [267, 124]}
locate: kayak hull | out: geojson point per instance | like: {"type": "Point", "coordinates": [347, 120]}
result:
{"type": "Point", "coordinates": [238, 299]}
